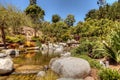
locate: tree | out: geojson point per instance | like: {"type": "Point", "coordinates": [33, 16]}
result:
{"type": "Point", "coordinates": [37, 15]}
{"type": "Point", "coordinates": [70, 20]}
{"type": "Point", "coordinates": [32, 2]}
{"type": "Point", "coordinates": [111, 12]}
{"type": "Point", "coordinates": [8, 19]}
{"type": "Point", "coordinates": [3, 24]}
{"type": "Point", "coordinates": [91, 14]}
{"type": "Point", "coordinates": [56, 18]}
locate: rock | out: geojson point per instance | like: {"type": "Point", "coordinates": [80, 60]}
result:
{"type": "Point", "coordinates": [70, 67]}
{"type": "Point", "coordinates": [12, 52]}
{"type": "Point", "coordinates": [41, 74]}
{"type": "Point", "coordinates": [68, 79]}
{"type": "Point", "coordinates": [89, 78]}
{"type": "Point", "coordinates": [52, 48]}
{"type": "Point", "coordinates": [6, 64]}
{"type": "Point", "coordinates": [2, 55]}
{"type": "Point", "coordinates": [67, 54]}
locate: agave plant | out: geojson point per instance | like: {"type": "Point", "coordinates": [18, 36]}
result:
{"type": "Point", "coordinates": [113, 49]}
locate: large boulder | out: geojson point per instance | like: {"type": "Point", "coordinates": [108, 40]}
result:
{"type": "Point", "coordinates": [6, 64]}
{"type": "Point", "coordinates": [70, 67]}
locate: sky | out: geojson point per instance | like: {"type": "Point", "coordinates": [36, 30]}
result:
{"type": "Point", "coordinates": [78, 8]}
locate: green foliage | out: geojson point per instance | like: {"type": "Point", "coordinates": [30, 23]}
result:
{"type": "Point", "coordinates": [113, 47]}
{"type": "Point", "coordinates": [16, 39]}
{"type": "Point", "coordinates": [91, 46]}
{"type": "Point", "coordinates": [109, 74]}
{"type": "Point", "coordinates": [37, 40]}
{"type": "Point", "coordinates": [35, 12]}
{"type": "Point", "coordinates": [83, 47]}
{"type": "Point", "coordinates": [55, 31]}
{"type": "Point", "coordinates": [32, 2]}
{"type": "Point", "coordinates": [55, 18]}
{"type": "Point", "coordinates": [92, 62]}
{"type": "Point", "coordinates": [65, 37]}
{"type": "Point", "coordinates": [93, 27]}
{"type": "Point", "coordinates": [11, 18]}
{"type": "Point", "coordinates": [111, 12]}
{"type": "Point", "coordinates": [70, 20]}
{"type": "Point", "coordinates": [91, 14]}
{"type": "Point", "coordinates": [34, 39]}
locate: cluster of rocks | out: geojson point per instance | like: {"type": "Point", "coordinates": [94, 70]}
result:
{"type": "Point", "coordinates": [6, 63]}
{"type": "Point", "coordinates": [52, 48]}
{"type": "Point", "coordinates": [69, 68]}
{"type": "Point", "coordinates": [11, 52]}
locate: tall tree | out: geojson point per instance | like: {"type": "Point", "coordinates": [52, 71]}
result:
{"type": "Point", "coordinates": [37, 15]}
{"type": "Point", "coordinates": [32, 2]}
{"type": "Point", "coordinates": [118, 0]}
{"type": "Point", "coordinates": [56, 18]}
{"type": "Point", "coordinates": [111, 12]}
{"type": "Point", "coordinates": [8, 19]}
{"type": "Point", "coordinates": [3, 23]}
{"type": "Point", "coordinates": [70, 20]}
{"type": "Point", "coordinates": [91, 14]}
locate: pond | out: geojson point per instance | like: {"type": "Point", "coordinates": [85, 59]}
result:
{"type": "Point", "coordinates": [27, 65]}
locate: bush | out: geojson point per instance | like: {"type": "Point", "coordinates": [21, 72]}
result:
{"type": "Point", "coordinates": [109, 74]}
{"type": "Point", "coordinates": [112, 48]}
{"type": "Point", "coordinates": [92, 46]}
{"type": "Point", "coordinates": [37, 41]}
{"type": "Point", "coordinates": [34, 39]}
{"type": "Point", "coordinates": [16, 39]}
{"type": "Point", "coordinates": [83, 47]}
{"type": "Point", "coordinates": [92, 62]}
{"type": "Point", "coordinates": [65, 37]}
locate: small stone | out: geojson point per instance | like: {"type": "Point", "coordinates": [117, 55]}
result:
{"type": "Point", "coordinates": [41, 74]}
{"type": "Point", "coordinates": [2, 55]}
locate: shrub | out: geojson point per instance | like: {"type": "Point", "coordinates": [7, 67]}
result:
{"type": "Point", "coordinates": [34, 39]}
{"type": "Point", "coordinates": [112, 48]}
{"type": "Point", "coordinates": [16, 39]}
{"type": "Point", "coordinates": [83, 47]}
{"type": "Point", "coordinates": [109, 74]}
{"type": "Point", "coordinates": [92, 62]}
{"type": "Point", "coordinates": [92, 46]}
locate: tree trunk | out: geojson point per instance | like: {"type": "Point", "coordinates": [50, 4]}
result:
{"type": "Point", "coordinates": [35, 34]}
{"type": "Point", "coordinates": [3, 37]}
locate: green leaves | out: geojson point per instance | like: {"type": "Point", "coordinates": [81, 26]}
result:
{"type": "Point", "coordinates": [113, 49]}
{"type": "Point", "coordinates": [111, 12]}
{"type": "Point", "coordinates": [70, 20]}
{"type": "Point", "coordinates": [56, 18]}
{"type": "Point", "coordinates": [109, 74]}
{"type": "Point", "coordinates": [35, 12]}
